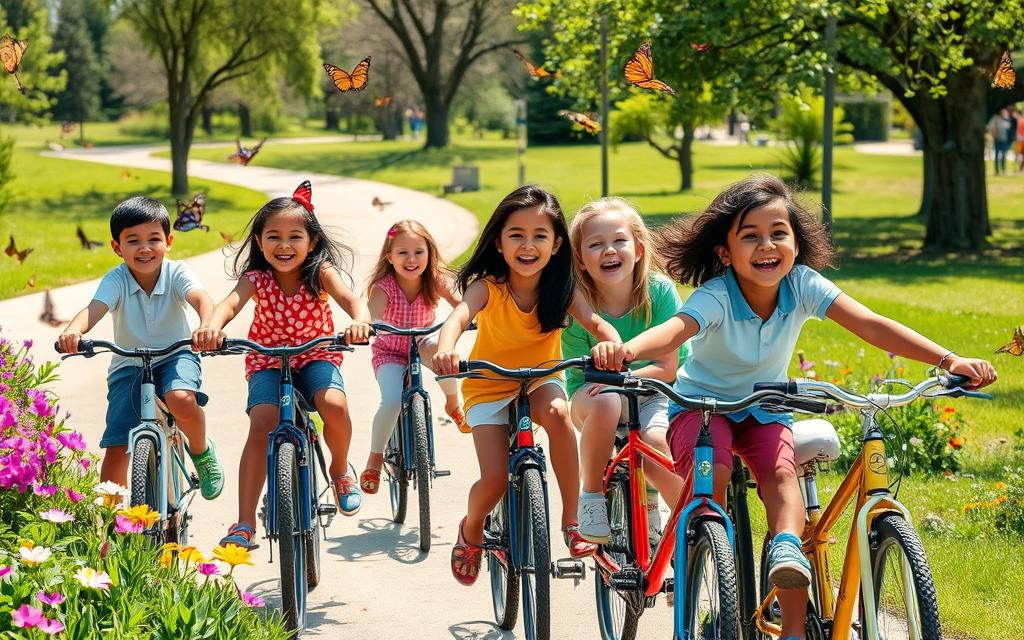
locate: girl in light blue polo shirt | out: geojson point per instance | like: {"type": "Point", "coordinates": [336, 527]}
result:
{"type": "Point", "coordinates": [754, 255]}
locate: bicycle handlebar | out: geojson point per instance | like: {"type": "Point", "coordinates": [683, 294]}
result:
{"type": "Point", "coordinates": [241, 345]}
{"type": "Point", "coordinates": [817, 388]}
{"type": "Point", "coordinates": [87, 348]}
{"type": "Point", "coordinates": [411, 331]}
{"type": "Point", "coordinates": [522, 373]}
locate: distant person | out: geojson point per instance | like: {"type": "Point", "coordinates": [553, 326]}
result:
{"type": "Point", "coordinates": [1003, 134]}
{"type": "Point", "coordinates": [1019, 146]}
{"type": "Point", "coordinates": [744, 128]}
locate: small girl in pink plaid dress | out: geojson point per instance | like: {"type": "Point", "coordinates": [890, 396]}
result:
{"type": "Point", "coordinates": [405, 287]}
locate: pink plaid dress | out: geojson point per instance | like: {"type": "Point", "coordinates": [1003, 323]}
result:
{"type": "Point", "coordinates": [400, 313]}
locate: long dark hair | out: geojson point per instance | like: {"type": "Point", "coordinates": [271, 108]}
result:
{"type": "Point", "coordinates": [323, 249]}
{"type": "Point", "coordinates": [687, 245]}
{"type": "Point", "coordinates": [557, 282]}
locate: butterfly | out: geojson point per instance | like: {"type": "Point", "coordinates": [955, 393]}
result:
{"type": "Point", "coordinates": [536, 72]}
{"type": "Point", "coordinates": [190, 216]}
{"type": "Point", "coordinates": [86, 242]}
{"type": "Point", "coordinates": [244, 155]}
{"type": "Point", "coordinates": [1004, 77]}
{"type": "Point", "coordinates": [304, 195]}
{"type": "Point", "coordinates": [380, 204]}
{"type": "Point", "coordinates": [31, 283]}
{"type": "Point", "coordinates": [1016, 346]}
{"type": "Point", "coordinates": [700, 48]}
{"type": "Point", "coordinates": [382, 101]}
{"type": "Point", "coordinates": [587, 122]}
{"type": "Point", "coordinates": [11, 51]}
{"type": "Point", "coordinates": [345, 81]}
{"type": "Point", "coordinates": [125, 175]}
{"type": "Point", "coordinates": [12, 251]}
{"type": "Point", "coordinates": [639, 70]}
{"type": "Point", "coordinates": [226, 237]}
{"type": "Point", "coordinates": [49, 314]}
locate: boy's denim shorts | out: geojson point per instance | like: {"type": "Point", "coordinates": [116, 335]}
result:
{"type": "Point", "coordinates": [180, 370]}
{"type": "Point", "coordinates": [264, 386]}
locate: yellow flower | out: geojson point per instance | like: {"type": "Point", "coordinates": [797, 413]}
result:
{"type": "Point", "coordinates": [900, 371]}
{"type": "Point", "coordinates": [166, 557]}
{"type": "Point", "coordinates": [142, 514]}
{"type": "Point", "coordinates": [1001, 499]}
{"type": "Point", "coordinates": [969, 506]}
{"type": "Point", "coordinates": [845, 371]}
{"type": "Point", "coordinates": [233, 555]}
{"type": "Point", "coordinates": [191, 554]}
{"type": "Point", "coordinates": [25, 542]}
{"type": "Point", "coordinates": [171, 546]}
{"type": "Point", "coordinates": [1000, 486]}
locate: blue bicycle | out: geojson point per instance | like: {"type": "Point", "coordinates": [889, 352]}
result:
{"type": "Point", "coordinates": [295, 511]}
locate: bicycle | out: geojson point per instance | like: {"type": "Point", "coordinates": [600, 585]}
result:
{"type": "Point", "coordinates": [156, 452]}
{"type": "Point", "coordinates": [699, 535]}
{"type": "Point", "coordinates": [516, 532]}
{"type": "Point", "coordinates": [882, 541]}
{"type": "Point", "coordinates": [294, 514]}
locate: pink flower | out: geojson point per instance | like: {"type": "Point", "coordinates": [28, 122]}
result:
{"type": "Point", "coordinates": [40, 405]}
{"type": "Point", "coordinates": [127, 525]}
{"type": "Point", "coordinates": [52, 599]}
{"type": "Point", "coordinates": [71, 440]}
{"type": "Point", "coordinates": [26, 617]}
{"type": "Point", "coordinates": [85, 463]}
{"type": "Point", "coordinates": [57, 516]}
{"type": "Point", "coordinates": [806, 365]}
{"type": "Point", "coordinates": [208, 569]}
{"type": "Point", "coordinates": [251, 601]}
{"type": "Point", "coordinates": [51, 627]}
{"type": "Point", "coordinates": [74, 496]}
{"type": "Point", "coordinates": [4, 571]}
{"type": "Point", "coordinates": [45, 490]}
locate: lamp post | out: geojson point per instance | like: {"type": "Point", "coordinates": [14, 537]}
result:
{"type": "Point", "coordinates": [604, 106]}
{"type": "Point", "coordinates": [521, 139]}
{"type": "Point", "coordinates": [830, 101]}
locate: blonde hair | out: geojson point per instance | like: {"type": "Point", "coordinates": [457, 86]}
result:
{"type": "Point", "coordinates": [433, 276]}
{"type": "Point", "coordinates": [640, 297]}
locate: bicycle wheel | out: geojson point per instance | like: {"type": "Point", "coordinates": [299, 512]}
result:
{"type": "Point", "coordinates": [418, 416]}
{"type": "Point", "coordinates": [312, 543]}
{"type": "Point", "coordinates": [145, 475]}
{"type": "Point", "coordinates": [504, 578]}
{"type": "Point", "coordinates": [535, 556]}
{"type": "Point", "coordinates": [398, 481]}
{"type": "Point", "coordinates": [617, 612]}
{"type": "Point", "coordinates": [177, 527]}
{"type": "Point", "coordinates": [739, 513]}
{"type": "Point", "coordinates": [290, 539]}
{"type": "Point", "coordinates": [711, 585]}
{"type": "Point", "coordinates": [903, 582]}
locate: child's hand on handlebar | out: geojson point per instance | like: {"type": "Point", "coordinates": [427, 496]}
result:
{"type": "Point", "coordinates": [69, 342]}
{"type": "Point", "coordinates": [207, 339]}
{"type": "Point", "coordinates": [357, 333]}
{"type": "Point", "coordinates": [981, 372]}
{"type": "Point", "coordinates": [445, 363]}
{"type": "Point", "coordinates": [610, 356]}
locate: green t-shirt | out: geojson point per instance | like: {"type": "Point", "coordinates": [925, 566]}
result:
{"type": "Point", "coordinates": [665, 303]}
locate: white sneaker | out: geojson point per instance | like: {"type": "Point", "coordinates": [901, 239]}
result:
{"type": "Point", "coordinates": [593, 517]}
{"type": "Point", "coordinates": [653, 517]}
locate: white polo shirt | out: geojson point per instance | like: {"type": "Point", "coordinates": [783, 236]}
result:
{"type": "Point", "coordinates": [735, 348]}
{"type": "Point", "coordinates": [141, 320]}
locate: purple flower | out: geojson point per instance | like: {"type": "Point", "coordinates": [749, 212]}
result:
{"type": "Point", "coordinates": [890, 354]}
{"type": "Point", "coordinates": [4, 570]}
{"type": "Point", "coordinates": [50, 448]}
{"type": "Point", "coordinates": [50, 627]}
{"type": "Point", "coordinates": [7, 375]}
{"type": "Point", "coordinates": [84, 463]}
{"type": "Point", "coordinates": [40, 405]}
{"type": "Point", "coordinates": [124, 524]}
{"type": "Point", "coordinates": [806, 365]}
{"type": "Point", "coordinates": [208, 569]}
{"type": "Point", "coordinates": [52, 599]}
{"type": "Point", "coordinates": [251, 601]}
{"type": "Point", "coordinates": [71, 440]}
{"type": "Point", "coordinates": [74, 496]}
{"type": "Point", "coordinates": [28, 344]}
{"type": "Point", "coordinates": [45, 490]}
{"type": "Point", "coordinates": [27, 617]}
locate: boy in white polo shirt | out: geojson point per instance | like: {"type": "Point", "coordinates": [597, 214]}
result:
{"type": "Point", "coordinates": [147, 296]}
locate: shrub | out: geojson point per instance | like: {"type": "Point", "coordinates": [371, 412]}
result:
{"type": "Point", "coordinates": [801, 123]}
{"type": "Point", "coordinates": [1000, 504]}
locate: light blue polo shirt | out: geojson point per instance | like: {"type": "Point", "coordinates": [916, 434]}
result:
{"type": "Point", "coordinates": [141, 320]}
{"type": "Point", "coordinates": [734, 348]}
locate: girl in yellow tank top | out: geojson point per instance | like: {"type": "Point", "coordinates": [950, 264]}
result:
{"type": "Point", "coordinates": [519, 286]}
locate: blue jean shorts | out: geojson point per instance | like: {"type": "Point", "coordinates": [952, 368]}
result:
{"type": "Point", "coordinates": [180, 370]}
{"type": "Point", "coordinates": [315, 375]}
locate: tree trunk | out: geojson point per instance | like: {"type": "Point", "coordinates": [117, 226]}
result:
{"type": "Point", "coordinates": [182, 130]}
{"type": "Point", "coordinates": [954, 202]}
{"type": "Point", "coordinates": [331, 120]}
{"type": "Point", "coordinates": [208, 121]}
{"type": "Point", "coordinates": [437, 119]}
{"type": "Point", "coordinates": [685, 150]}
{"type": "Point", "coordinates": [389, 121]}
{"type": "Point", "coordinates": [245, 120]}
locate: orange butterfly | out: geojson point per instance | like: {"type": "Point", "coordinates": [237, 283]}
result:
{"type": "Point", "coordinates": [49, 314]}
{"type": "Point", "coordinates": [1005, 77]}
{"type": "Point", "coordinates": [588, 123]}
{"type": "Point", "coordinates": [86, 242]}
{"type": "Point", "coordinates": [345, 81]}
{"type": "Point", "coordinates": [31, 284]}
{"type": "Point", "coordinates": [536, 72]}
{"type": "Point", "coordinates": [125, 175]}
{"type": "Point", "coordinates": [383, 101]}
{"type": "Point", "coordinates": [12, 250]}
{"type": "Point", "coordinates": [700, 48]}
{"type": "Point", "coordinates": [226, 237]}
{"type": "Point", "coordinates": [1016, 346]}
{"type": "Point", "coordinates": [11, 52]}
{"type": "Point", "coordinates": [639, 70]}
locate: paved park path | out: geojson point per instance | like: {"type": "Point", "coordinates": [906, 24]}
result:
{"type": "Point", "coordinates": [377, 584]}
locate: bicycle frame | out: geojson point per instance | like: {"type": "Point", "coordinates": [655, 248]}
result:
{"type": "Point", "coordinates": [866, 483]}
{"type": "Point", "coordinates": [414, 387]}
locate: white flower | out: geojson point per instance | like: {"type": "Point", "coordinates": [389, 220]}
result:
{"type": "Point", "coordinates": [110, 488]}
{"type": "Point", "coordinates": [93, 579]}
{"type": "Point", "coordinates": [917, 442]}
{"type": "Point", "coordinates": [35, 555]}
{"type": "Point", "coordinates": [111, 494]}
{"type": "Point", "coordinates": [57, 516]}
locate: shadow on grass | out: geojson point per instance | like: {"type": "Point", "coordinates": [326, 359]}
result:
{"type": "Point", "coordinates": [368, 161]}
{"type": "Point", "coordinates": [97, 205]}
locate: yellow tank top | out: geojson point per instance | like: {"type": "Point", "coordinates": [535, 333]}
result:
{"type": "Point", "coordinates": [511, 338]}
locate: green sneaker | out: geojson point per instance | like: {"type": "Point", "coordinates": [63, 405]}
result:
{"type": "Point", "coordinates": [211, 475]}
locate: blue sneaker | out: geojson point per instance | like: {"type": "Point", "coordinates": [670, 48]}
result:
{"type": "Point", "coordinates": [349, 495]}
{"type": "Point", "coordinates": [788, 566]}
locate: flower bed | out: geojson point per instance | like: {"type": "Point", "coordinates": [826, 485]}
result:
{"type": "Point", "coordinates": [74, 562]}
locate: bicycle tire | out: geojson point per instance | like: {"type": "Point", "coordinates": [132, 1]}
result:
{"type": "Point", "coordinates": [536, 557]}
{"type": "Point", "coordinates": [292, 555]}
{"type": "Point", "coordinates": [739, 512]}
{"type": "Point", "coordinates": [145, 475]}
{"type": "Point", "coordinates": [504, 578]}
{"type": "Point", "coordinates": [312, 542]}
{"type": "Point", "coordinates": [890, 531]}
{"type": "Point", "coordinates": [398, 480]}
{"type": "Point", "coordinates": [711, 550]}
{"type": "Point", "coordinates": [618, 614]}
{"type": "Point", "coordinates": [418, 416]}
{"type": "Point", "coordinates": [177, 528]}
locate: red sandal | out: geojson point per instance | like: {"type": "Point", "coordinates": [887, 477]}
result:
{"type": "Point", "coordinates": [369, 480]}
{"type": "Point", "coordinates": [459, 418]}
{"type": "Point", "coordinates": [579, 547]}
{"type": "Point", "coordinates": [465, 559]}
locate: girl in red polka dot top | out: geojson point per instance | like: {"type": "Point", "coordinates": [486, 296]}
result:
{"type": "Point", "coordinates": [289, 266]}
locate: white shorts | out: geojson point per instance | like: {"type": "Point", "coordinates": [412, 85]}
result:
{"type": "Point", "coordinates": [496, 412]}
{"type": "Point", "coordinates": [653, 409]}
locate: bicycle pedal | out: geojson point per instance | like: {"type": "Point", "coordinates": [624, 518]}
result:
{"type": "Point", "coordinates": [442, 473]}
{"type": "Point", "coordinates": [627, 579]}
{"type": "Point", "coordinates": [569, 568]}
{"type": "Point", "coordinates": [327, 509]}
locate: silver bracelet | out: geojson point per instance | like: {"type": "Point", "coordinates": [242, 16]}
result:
{"type": "Point", "coordinates": [944, 359]}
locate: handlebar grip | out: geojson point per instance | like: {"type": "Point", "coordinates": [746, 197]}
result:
{"type": "Point", "coordinates": [788, 387]}
{"type": "Point", "coordinates": [56, 346]}
{"type": "Point", "coordinates": [463, 366]}
{"type": "Point", "coordinates": [810, 406]}
{"type": "Point", "coordinates": [597, 376]}
{"type": "Point", "coordinates": [957, 380]}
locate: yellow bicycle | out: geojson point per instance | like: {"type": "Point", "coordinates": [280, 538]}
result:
{"type": "Point", "coordinates": [885, 562]}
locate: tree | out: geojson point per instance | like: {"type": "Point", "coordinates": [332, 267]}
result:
{"type": "Point", "coordinates": [80, 99]}
{"type": "Point", "coordinates": [440, 41]}
{"type": "Point", "coordinates": [801, 123]}
{"type": "Point", "coordinates": [203, 44]}
{"type": "Point", "coordinates": [28, 20]}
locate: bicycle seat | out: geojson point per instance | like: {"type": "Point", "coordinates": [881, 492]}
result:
{"type": "Point", "coordinates": [815, 439]}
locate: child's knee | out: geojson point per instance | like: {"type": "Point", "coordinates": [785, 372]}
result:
{"type": "Point", "coordinates": [181, 402]}
{"type": "Point", "coordinates": [555, 417]}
